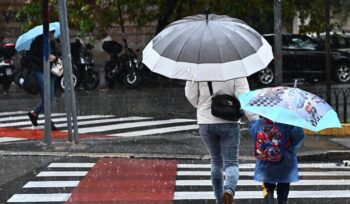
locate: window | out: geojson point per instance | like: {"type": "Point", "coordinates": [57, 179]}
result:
{"type": "Point", "coordinates": [300, 42]}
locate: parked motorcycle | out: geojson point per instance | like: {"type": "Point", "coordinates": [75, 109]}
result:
{"type": "Point", "coordinates": [7, 51]}
{"type": "Point", "coordinates": [83, 67]}
{"type": "Point", "coordinates": [123, 67]}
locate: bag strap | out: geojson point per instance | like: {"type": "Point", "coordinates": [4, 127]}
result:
{"type": "Point", "coordinates": [210, 88]}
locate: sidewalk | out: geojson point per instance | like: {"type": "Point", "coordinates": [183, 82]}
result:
{"type": "Point", "coordinates": [314, 148]}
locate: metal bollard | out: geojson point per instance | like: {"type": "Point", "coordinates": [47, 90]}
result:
{"type": "Point", "coordinates": [337, 92]}
{"type": "Point", "coordinates": [346, 94]}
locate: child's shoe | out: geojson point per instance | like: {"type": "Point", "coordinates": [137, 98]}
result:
{"type": "Point", "coordinates": [268, 199]}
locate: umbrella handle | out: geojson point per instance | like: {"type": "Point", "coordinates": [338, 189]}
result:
{"type": "Point", "coordinates": [295, 83]}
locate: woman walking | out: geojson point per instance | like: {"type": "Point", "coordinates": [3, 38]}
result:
{"type": "Point", "coordinates": [221, 137]}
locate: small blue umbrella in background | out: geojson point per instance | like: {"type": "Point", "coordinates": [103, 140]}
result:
{"type": "Point", "coordinates": [291, 106]}
{"type": "Point", "coordinates": [25, 40]}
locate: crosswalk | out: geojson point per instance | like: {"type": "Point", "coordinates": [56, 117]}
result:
{"type": "Point", "coordinates": [53, 184]}
{"type": "Point", "coordinates": [107, 125]}
{"type": "Point", "coordinates": [320, 183]}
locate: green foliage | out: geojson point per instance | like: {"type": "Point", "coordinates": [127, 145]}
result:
{"type": "Point", "coordinates": [97, 16]}
{"type": "Point", "coordinates": [33, 13]}
{"type": "Point", "coordinates": [312, 14]}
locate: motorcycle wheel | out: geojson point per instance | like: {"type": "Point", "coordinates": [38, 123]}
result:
{"type": "Point", "coordinates": [61, 80]}
{"type": "Point", "coordinates": [132, 79]}
{"type": "Point", "coordinates": [91, 80]}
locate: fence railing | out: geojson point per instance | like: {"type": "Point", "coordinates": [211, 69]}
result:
{"type": "Point", "coordinates": [340, 96]}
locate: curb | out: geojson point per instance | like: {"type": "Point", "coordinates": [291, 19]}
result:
{"type": "Point", "coordinates": [100, 155]}
{"type": "Point", "coordinates": [316, 156]}
{"type": "Point", "coordinates": [337, 132]}
{"type": "Point", "coordinates": [325, 156]}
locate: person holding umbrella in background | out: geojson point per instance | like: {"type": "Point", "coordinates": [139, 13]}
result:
{"type": "Point", "coordinates": [36, 65]}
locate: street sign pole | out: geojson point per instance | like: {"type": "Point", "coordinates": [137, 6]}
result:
{"type": "Point", "coordinates": [278, 41]}
{"type": "Point", "coordinates": [327, 49]}
{"type": "Point", "coordinates": [68, 73]}
{"type": "Point", "coordinates": [46, 68]}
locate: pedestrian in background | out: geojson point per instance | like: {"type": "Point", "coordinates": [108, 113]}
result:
{"type": "Point", "coordinates": [221, 137]}
{"type": "Point", "coordinates": [37, 67]}
{"type": "Point", "coordinates": [277, 173]}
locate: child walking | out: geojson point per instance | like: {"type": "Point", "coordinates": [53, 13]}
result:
{"type": "Point", "coordinates": [276, 161]}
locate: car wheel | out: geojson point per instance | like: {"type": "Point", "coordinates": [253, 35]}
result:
{"type": "Point", "coordinates": [266, 76]}
{"type": "Point", "coordinates": [343, 72]}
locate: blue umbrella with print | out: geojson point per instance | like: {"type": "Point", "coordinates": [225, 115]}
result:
{"type": "Point", "coordinates": [25, 40]}
{"type": "Point", "coordinates": [291, 106]}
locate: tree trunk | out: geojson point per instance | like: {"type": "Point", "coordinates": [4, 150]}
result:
{"type": "Point", "coordinates": [165, 12]}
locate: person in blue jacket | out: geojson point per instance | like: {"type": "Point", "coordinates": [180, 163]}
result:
{"type": "Point", "coordinates": [281, 173]}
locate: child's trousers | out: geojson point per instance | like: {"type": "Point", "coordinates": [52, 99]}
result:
{"type": "Point", "coordinates": [282, 190]}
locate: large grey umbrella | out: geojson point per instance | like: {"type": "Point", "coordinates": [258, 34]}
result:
{"type": "Point", "coordinates": [207, 48]}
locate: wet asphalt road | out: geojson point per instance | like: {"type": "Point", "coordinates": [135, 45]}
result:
{"type": "Point", "coordinates": [158, 99]}
{"type": "Point", "coordinates": [164, 99]}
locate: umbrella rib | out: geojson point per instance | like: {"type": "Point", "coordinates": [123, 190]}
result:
{"type": "Point", "coordinates": [232, 44]}
{"type": "Point", "coordinates": [217, 47]}
{"type": "Point", "coordinates": [182, 48]}
{"type": "Point", "coordinates": [242, 36]}
{"type": "Point", "coordinates": [200, 48]}
{"type": "Point", "coordinates": [177, 60]}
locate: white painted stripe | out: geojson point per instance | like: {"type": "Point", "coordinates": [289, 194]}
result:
{"type": "Point", "coordinates": [11, 113]}
{"type": "Point", "coordinates": [131, 125]}
{"type": "Point", "coordinates": [255, 183]}
{"type": "Point", "coordinates": [61, 173]}
{"type": "Point", "coordinates": [25, 117]}
{"type": "Point", "coordinates": [50, 197]}
{"type": "Point", "coordinates": [94, 122]}
{"type": "Point", "coordinates": [250, 173]}
{"type": "Point", "coordinates": [209, 195]}
{"type": "Point", "coordinates": [252, 166]}
{"type": "Point", "coordinates": [71, 165]}
{"type": "Point", "coordinates": [156, 131]}
{"type": "Point", "coordinates": [41, 121]}
{"type": "Point", "coordinates": [10, 139]}
{"type": "Point", "coordinates": [51, 184]}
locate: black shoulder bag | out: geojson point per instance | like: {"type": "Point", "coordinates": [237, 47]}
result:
{"type": "Point", "coordinates": [225, 106]}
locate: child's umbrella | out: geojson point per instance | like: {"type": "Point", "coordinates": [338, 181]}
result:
{"type": "Point", "coordinates": [291, 106]}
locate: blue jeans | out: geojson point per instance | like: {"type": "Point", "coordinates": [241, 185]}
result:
{"type": "Point", "coordinates": [39, 76]}
{"type": "Point", "coordinates": [222, 142]}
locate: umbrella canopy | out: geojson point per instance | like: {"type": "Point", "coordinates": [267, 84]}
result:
{"type": "Point", "coordinates": [207, 48]}
{"type": "Point", "coordinates": [25, 40]}
{"type": "Point", "coordinates": [291, 106]}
